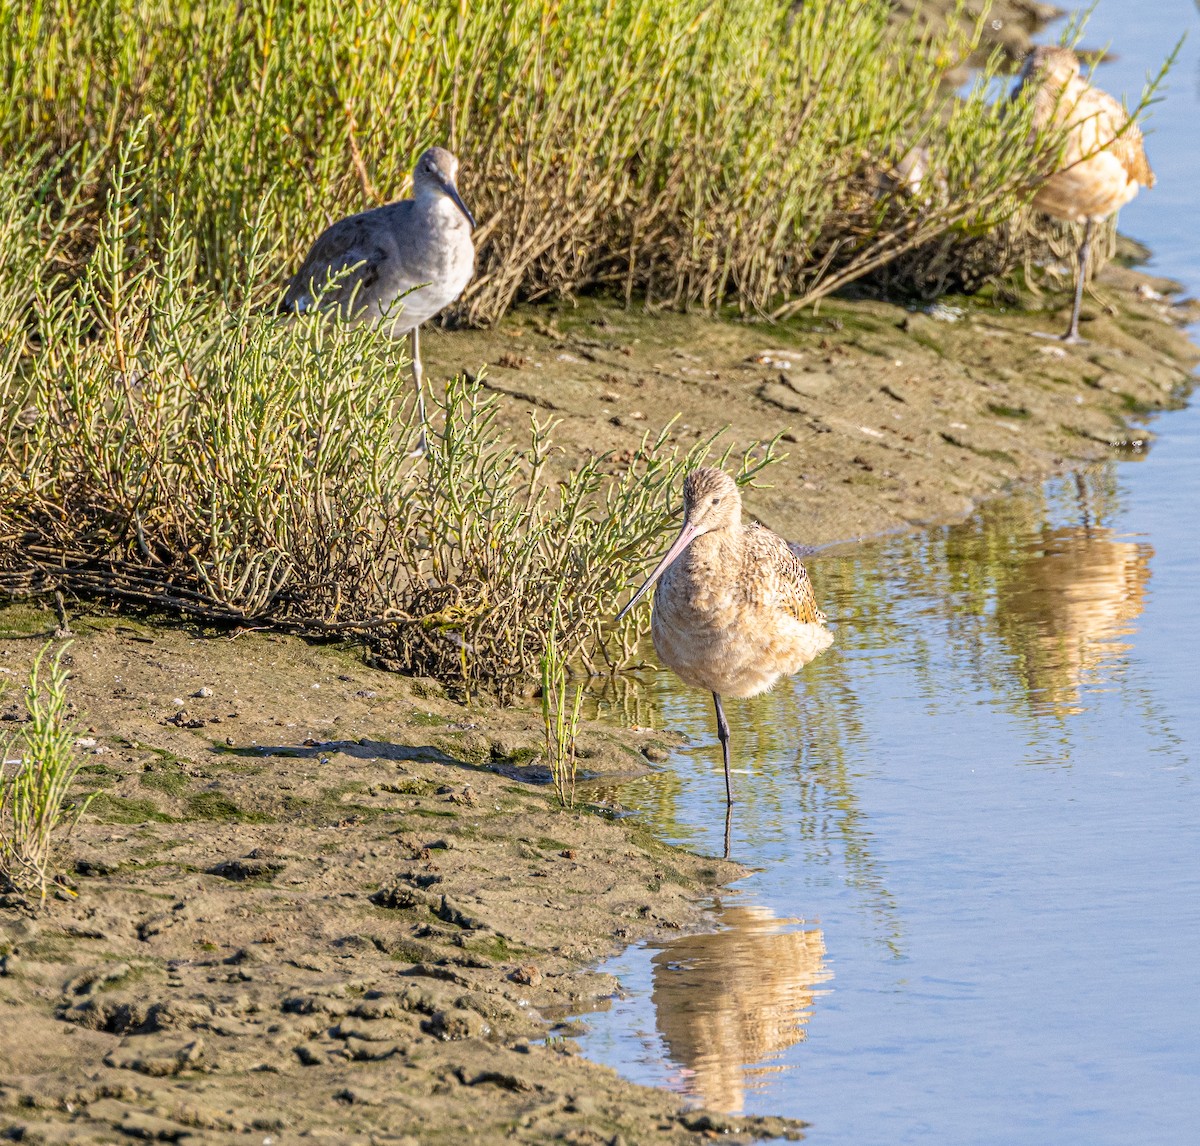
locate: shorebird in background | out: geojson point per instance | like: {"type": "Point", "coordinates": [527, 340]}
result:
{"type": "Point", "coordinates": [395, 266]}
{"type": "Point", "coordinates": [734, 610]}
{"type": "Point", "coordinates": [1103, 163]}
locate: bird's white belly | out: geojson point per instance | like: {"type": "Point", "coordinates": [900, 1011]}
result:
{"type": "Point", "coordinates": [410, 310]}
{"type": "Point", "coordinates": [412, 303]}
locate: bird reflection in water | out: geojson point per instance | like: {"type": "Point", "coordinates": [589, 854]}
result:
{"type": "Point", "coordinates": [730, 1002]}
{"type": "Point", "coordinates": [1079, 592]}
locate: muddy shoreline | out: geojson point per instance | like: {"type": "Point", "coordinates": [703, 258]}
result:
{"type": "Point", "coordinates": [316, 901]}
{"type": "Point", "coordinates": [892, 417]}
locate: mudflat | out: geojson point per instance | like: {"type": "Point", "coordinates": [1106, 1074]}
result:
{"type": "Point", "coordinates": [316, 901]}
{"type": "Point", "coordinates": [892, 417]}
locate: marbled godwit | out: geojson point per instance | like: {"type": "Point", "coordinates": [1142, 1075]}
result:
{"type": "Point", "coordinates": [398, 265]}
{"type": "Point", "coordinates": [729, 1001]}
{"type": "Point", "coordinates": [735, 610]}
{"type": "Point", "coordinates": [1103, 162]}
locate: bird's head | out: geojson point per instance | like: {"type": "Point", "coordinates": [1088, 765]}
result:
{"type": "Point", "coordinates": [436, 173]}
{"type": "Point", "coordinates": [710, 502]}
{"type": "Point", "coordinates": [1051, 64]}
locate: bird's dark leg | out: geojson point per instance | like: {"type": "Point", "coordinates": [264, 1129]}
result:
{"type": "Point", "coordinates": [728, 825]}
{"type": "Point", "coordinates": [1081, 495]}
{"type": "Point", "coordinates": [1072, 334]}
{"type": "Point", "coordinates": [723, 736]}
{"type": "Point", "coordinates": [418, 372]}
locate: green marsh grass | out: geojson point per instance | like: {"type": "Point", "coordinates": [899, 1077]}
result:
{"type": "Point", "coordinates": [37, 769]}
{"type": "Point", "coordinates": [560, 719]}
{"type": "Point", "coordinates": [691, 152]}
{"type": "Point", "coordinates": [181, 448]}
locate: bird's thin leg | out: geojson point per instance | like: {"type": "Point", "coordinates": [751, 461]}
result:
{"type": "Point", "coordinates": [1072, 334]}
{"type": "Point", "coordinates": [728, 825]}
{"type": "Point", "coordinates": [723, 736]}
{"type": "Point", "coordinates": [418, 372]}
{"type": "Point", "coordinates": [1081, 495]}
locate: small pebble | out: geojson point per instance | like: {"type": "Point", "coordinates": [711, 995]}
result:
{"type": "Point", "coordinates": [203, 692]}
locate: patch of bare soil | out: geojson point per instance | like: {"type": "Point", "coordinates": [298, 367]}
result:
{"type": "Point", "coordinates": [317, 901]}
{"type": "Point", "coordinates": [893, 418]}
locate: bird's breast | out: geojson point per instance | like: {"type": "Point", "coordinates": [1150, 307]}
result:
{"type": "Point", "coordinates": [1091, 189]}
{"type": "Point", "coordinates": [719, 627]}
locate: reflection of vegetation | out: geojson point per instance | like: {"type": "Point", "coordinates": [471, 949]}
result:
{"type": "Point", "coordinates": [816, 724]}
{"type": "Point", "coordinates": [624, 699]}
{"type": "Point", "coordinates": [738, 997]}
{"type": "Point", "coordinates": [631, 700]}
{"type": "Point", "coordinates": [813, 721]}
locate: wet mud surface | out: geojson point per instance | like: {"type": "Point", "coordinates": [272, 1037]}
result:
{"type": "Point", "coordinates": [892, 418]}
{"type": "Point", "coordinates": [317, 901]}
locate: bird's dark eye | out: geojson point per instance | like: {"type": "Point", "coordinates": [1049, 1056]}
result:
{"type": "Point", "coordinates": [716, 501]}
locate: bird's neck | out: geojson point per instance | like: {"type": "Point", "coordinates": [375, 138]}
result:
{"type": "Point", "coordinates": [714, 554]}
{"type": "Point", "coordinates": [438, 207]}
{"type": "Point", "coordinates": [699, 583]}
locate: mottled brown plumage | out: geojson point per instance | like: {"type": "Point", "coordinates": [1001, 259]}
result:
{"type": "Point", "coordinates": [1103, 162]}
{"type": "Point", "coordinates": [734, 610]}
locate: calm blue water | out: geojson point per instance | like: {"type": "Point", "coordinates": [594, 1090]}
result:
{"type": "Point", "coordinates": [976, 821]}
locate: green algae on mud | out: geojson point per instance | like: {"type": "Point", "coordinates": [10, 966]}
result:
{"type": "Point", "coordinates": [346, 918]}
{"type": "Point", "coordinates": [334, 881]}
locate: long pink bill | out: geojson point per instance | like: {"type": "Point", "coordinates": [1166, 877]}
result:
{"type": "Point", "coordinates": [686, 535]}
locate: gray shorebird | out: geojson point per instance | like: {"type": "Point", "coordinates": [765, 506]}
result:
{"type": "Point", "coordinates": [734, 610]}
{"type": "Point", "coordinates": [394, 266]}
{"type": "Point", "coordinates": [1103, 163]}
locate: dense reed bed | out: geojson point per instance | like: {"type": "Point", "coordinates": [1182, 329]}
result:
{"type": "Point", "coordinates": [687, 151]}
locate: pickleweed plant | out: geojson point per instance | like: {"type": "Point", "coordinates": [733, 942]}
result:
{"type": "Point", "coordinates": [560, 721]}
{"type": "Point", "coordinates": [172, 444]}
{"type": "Point", "coordinates": [38, 767]}
{"type": "Point", "coordinates": [738, 152]}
